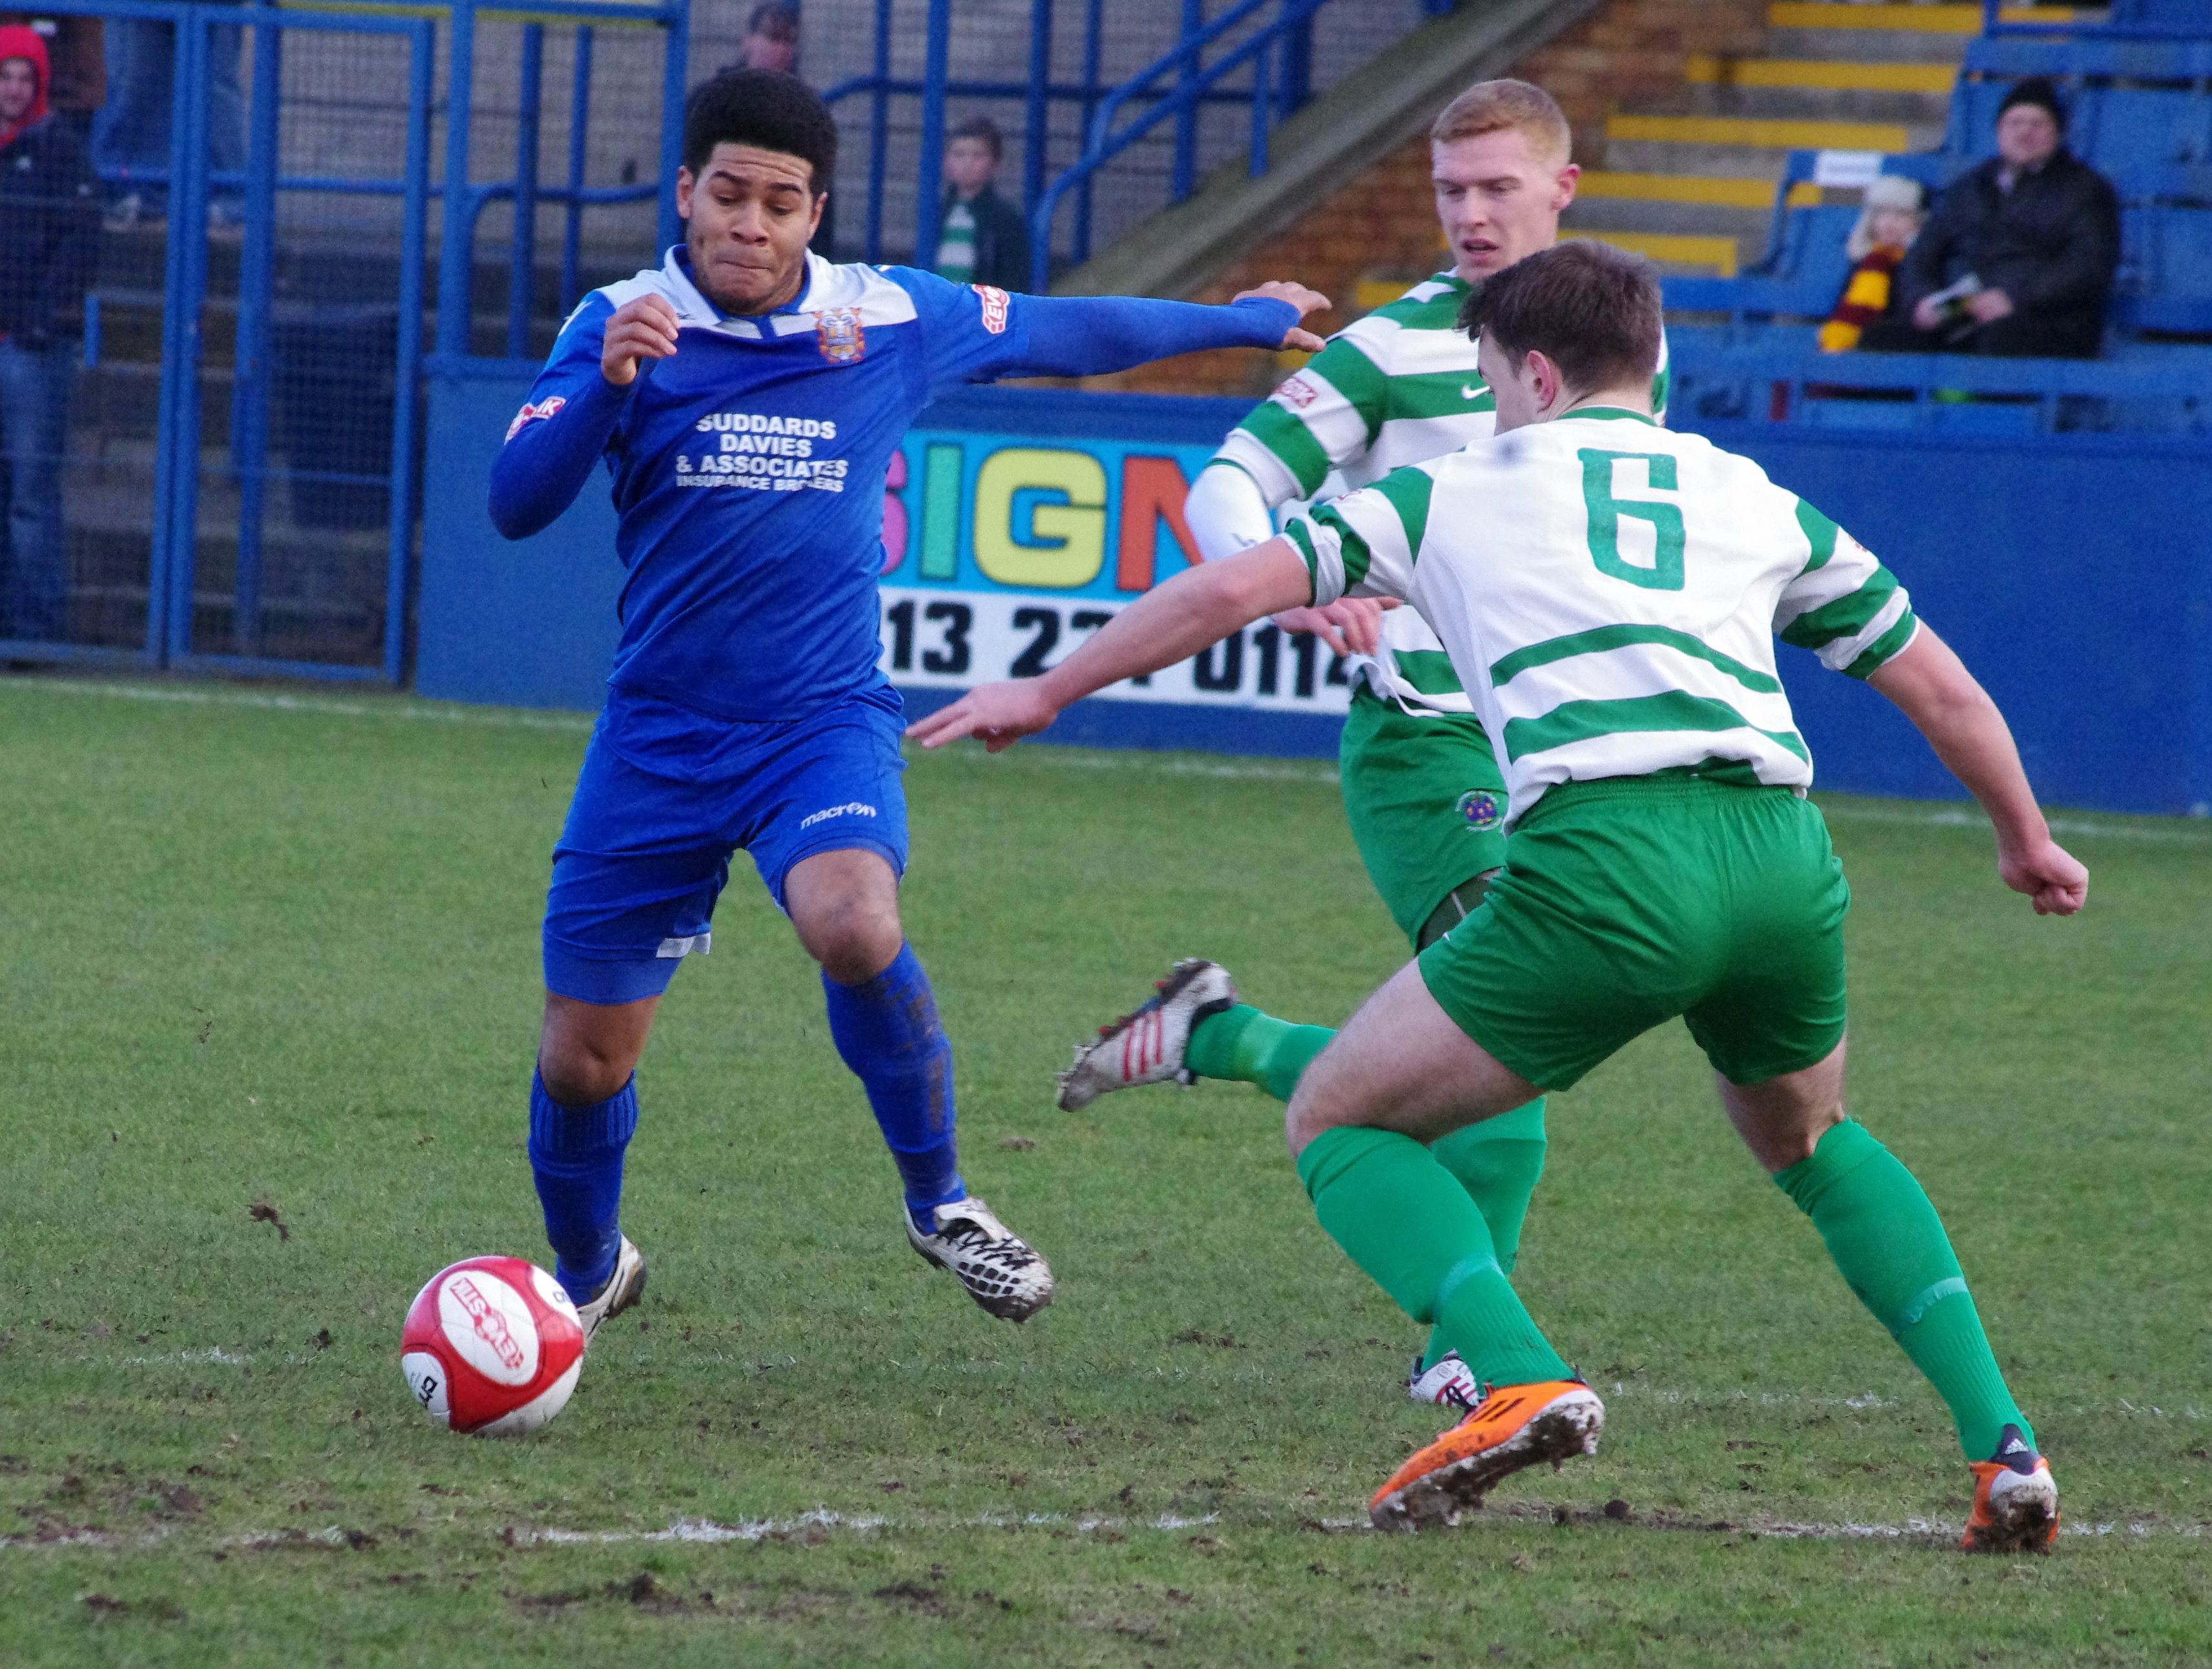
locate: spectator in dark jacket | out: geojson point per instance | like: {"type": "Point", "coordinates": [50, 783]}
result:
{"type": "Point", "coordinates": [2018, 258]}
{"type": "Point", "coordinates": [981, 238]}
{"type": "Point", "coordinates": [49, 235]}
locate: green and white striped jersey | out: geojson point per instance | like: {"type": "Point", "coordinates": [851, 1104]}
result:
{"type": "Point", "coordinates": [1396, 387]}
{"type": "Point", "coordinates": [1609, 592]}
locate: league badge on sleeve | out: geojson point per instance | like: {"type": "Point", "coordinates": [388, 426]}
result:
{"type": "Point", "coordinates": [837, 331]}
{"type": "Point", "coordinates": [534, 414]}
{"type": "Point", "coordinates": [1482, 810]}
{"type": "Point", "coordinates": [995, 308]}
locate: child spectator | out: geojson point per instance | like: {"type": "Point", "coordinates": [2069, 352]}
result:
{"type": "Point", "coordinates": [983, 240]}
{"type": "Point", "coordinates": [1888, 222]}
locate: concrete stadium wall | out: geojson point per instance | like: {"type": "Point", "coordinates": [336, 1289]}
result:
{"type": "Point", "coordinates": [2073, 574]}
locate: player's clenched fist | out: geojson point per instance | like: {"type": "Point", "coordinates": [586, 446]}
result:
{"type": "Point", "coordinates": [1305, 301]}
{"type": "Point", "coordinates": [641, 330]}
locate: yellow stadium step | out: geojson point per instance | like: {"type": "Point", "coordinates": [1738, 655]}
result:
{"type": "Point", "coordinates": [1777, 134]}
{"type": "Point", "coordinates": [1918, 20]}
{"type": "Point", "coordinates": [1819, 75]}
{"type": "Point", "coordinates": [1721, 193]}
{"type": "Point", "coordinates": [1672, 249]}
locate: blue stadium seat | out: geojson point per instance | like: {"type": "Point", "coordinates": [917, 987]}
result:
{"type": "Point", "coordinates": [2166, 272]}
{"type": "Point", "coordinates": [2179, 14]}
{"type": "Point", "coordinates": [2130, 127]}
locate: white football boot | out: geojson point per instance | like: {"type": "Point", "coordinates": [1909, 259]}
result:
{"type": "Point", "coordinates": [624, 1288]}
{"type": "Point", "coordinates": [993, 1262]}
{"type": "Point", "coordinates": [1146, 1047]}
{"type": "Point", "coordinates": [1450, 1383]}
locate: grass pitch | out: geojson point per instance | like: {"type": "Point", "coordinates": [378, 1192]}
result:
{"type": "Point", "coordinates": [267, 998]}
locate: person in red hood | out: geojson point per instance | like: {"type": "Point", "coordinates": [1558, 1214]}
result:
{"type": "Point", "coordinates": [49, 238]}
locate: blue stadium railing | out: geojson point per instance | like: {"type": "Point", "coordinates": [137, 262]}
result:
{"type": "Point", "coordinates": [173, 534]}
{"type": "Point", "coordinates": [1175, 85]}
{"type": "Point", "coordinates": [270, 444]}
{"type": "Point", "coordinates": [526, 190]}
{"type": "Point", "coordinates": [1214, 62]}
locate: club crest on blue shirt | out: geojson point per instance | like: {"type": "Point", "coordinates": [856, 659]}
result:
{"type": "Point", "coordinates": [1482, 810]}
{"type": "Point", "coordinates": [837, 332]}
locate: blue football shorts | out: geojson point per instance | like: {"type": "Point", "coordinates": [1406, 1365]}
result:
{"type": "Point", "coordinates": [666, 795]}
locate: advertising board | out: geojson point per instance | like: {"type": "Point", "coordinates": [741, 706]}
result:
{"type": "Point", "coordinates": [1003, 552]}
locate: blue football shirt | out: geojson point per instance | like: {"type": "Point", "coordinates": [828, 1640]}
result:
{"type": "Point", "coordinates": [748, 467]}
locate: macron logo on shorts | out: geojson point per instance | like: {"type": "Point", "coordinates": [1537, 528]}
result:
{"type": "Point", "coordinates": [850, 809]}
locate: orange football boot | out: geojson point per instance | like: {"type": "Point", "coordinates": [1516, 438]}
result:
{"type": "Point", "coordinates": [2015, 1500]}
{"type": "Point", "coordinates": [1513, 1426]}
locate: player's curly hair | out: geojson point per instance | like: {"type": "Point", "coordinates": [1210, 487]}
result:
{"type": "Point", "coordinates": [1590, 309]}
{"type": "Point", "coordinates": [761, 107]}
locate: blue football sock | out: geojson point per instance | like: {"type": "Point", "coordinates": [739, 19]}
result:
{"type": "Point", "coordinates": [886, 1030]}
{"type": "Point", "coordinates": [576, 1157]}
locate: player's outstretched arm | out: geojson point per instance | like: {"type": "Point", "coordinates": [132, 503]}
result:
{"type": "Point", "coordinates": [1933, 689]}
{"type": "Point", "coordinates": [1226, 512]}
{"type": "Point", "coordinates": [1086, 336]}
{"type": "Point", "coordinates": [1198, 608]}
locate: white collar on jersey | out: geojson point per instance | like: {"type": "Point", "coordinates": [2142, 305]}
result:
{"type": "Point", "coordinates": [829, 287]}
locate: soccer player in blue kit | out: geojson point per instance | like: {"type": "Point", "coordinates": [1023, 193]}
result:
{"type": "Point", "coordinates": [747, 397]}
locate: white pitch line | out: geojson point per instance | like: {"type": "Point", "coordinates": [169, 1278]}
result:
{"type": "Point", "coordinates": [417, 711]}
{"type": "Point", "coordinates": [2173, 831]}
{"type": "Point", "coordinates": [398, 707]}
{"type": "Point", "coordinates": [2149, 831]}
{"type": "Point", "coordinates": [2178, 1408]}
{"type": "Point", "coordinates": [1148, 763]}
{"type": "Point", "coordinates": [821, 1521]}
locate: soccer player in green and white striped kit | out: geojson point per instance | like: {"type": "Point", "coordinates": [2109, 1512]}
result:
{"type": "Point", "coordinates": [1609, 592]}
{"type": "Point", "coordinates": [1424, 797]}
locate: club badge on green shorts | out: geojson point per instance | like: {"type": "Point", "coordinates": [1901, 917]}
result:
{"type": "Point", "coordinates": [1482, 810]}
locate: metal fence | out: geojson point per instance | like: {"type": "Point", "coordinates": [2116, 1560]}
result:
{"type": "Point", "coordinates": [898, 73]}
{"type": "Point", "coordinates": [228, 428]}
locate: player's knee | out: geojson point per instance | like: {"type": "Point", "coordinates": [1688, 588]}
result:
{"type": "Point", "coordinates": [1313, 1109]}
{"type": "Point", "coordinates": [855, 940]}
{"type": "Point", "coordinates": [579, 1070]}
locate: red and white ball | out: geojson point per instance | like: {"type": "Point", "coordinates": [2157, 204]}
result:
{"type": "Point", "coordinates": [492, 1346]}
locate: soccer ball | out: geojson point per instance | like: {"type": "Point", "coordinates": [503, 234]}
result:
{"type": "Point", "coordinates": [491, 1346]}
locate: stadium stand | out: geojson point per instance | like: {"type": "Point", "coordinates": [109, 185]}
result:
{"type": "Point", "coordinates": [2139, 86]}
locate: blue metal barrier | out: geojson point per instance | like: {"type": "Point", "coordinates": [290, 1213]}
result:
{"type": "Point", "coordinates": [1777, 375]}
{"type": "Point", "coordinates": [173, 535]}
{"type": "Point", "coordinates": [464, 207]}
{"type": "Point", "coordinates": [323, 381]}
{"type": "Point", "coordinates": [1189, 78]}
{"type": "Point", "coordinates": [1194, 81]}
{"type": "Point", "coordinates": [2128, 20]}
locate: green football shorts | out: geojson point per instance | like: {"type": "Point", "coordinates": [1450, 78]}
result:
{"type": "Point", "coordinates": [1629, 900]}
{"type": "Point", "coordinates": [1425, 801]}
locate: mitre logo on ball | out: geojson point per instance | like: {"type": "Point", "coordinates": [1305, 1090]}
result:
{"type": "Point", "coordinates": [492, 1346]}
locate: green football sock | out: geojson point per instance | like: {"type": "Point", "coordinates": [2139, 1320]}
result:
{"type": "Point", "coordinates": [1242, 1044]}
{"type": "Point", "coordinates": [1499, 1163]}
{"type": "Point", "coordinates": [1403, 1218]}
{"type": "Point", "coordinates": [1890, 1245]}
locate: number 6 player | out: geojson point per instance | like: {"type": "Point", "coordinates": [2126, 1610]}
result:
{"type": "Point", "coordinates": [1609, 592]}
{"type": "Point", "coordinates": [747, 397]}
